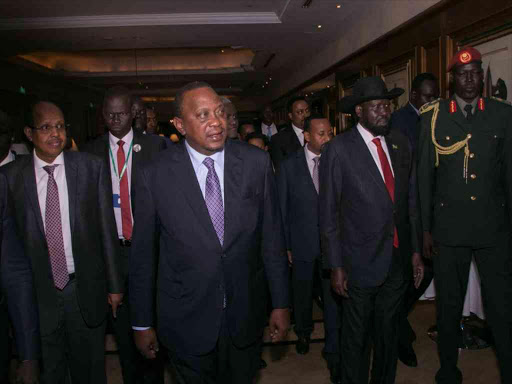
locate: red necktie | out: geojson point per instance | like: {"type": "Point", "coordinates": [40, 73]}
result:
{"type": "Point", "coordinates": [126, 215]}
{"type": "Point", "coordinates": [388, 177]}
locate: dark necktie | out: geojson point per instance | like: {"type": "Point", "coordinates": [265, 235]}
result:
{"type": "Point", "coordinates": [469, 112]}
{"type": "Point", "coordinates": [213, 199]}
{"type": "Point", "coordinates": [316, 180]}
{"type": "Point", "coordinates": [124, 192]}
{"type": "Point", "coordinates": [389, 180]}
{"type": "Point", "coordinates": [53, 229]}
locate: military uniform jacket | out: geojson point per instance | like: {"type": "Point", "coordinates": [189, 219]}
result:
{"type": "Point", "coordinates": [466, 206]}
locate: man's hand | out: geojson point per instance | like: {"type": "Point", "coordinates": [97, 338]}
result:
{"type": "Point", "coordinates": [418, 269]}
{"type": "Point", "coordinates": [28, 372]}
{"type": "Point", "coordinates": [339, 281]}
{"type": "Point", "coordinates": [290, 258]}
{"type": "Point", "coordinates": [279, 323]}
{"type": "Point", "coordinates": [146, 342]}
{"type": "Point", "coordinates": [115, 300]}
{"type": "Point", "coordinates": [428, 245]}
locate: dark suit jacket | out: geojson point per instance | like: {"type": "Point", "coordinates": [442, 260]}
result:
{"type": "Point", "coordinates": [357, 215]}
{"type": "Point", "coordinates": [299, 207]}
{"type": "Point", "coordinates": [150, 145]}
{"type": "Point", "coordinates": [447, 207]}
{"type": "Point", "coordinates": [283, 143]}
{"type": "Point", "coordinates": [16, 277]}
{"type": "Point", "coordinates": [406, 120]}
{"type": "Point", "coordinates": [93, 235]}
{"type": "Point", "coordinates": [194, 271]}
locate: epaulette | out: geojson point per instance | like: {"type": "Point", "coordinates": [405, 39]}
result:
{"type": "Point", "coordinates": [501, 100]}
{"type": "Point", "coordinates": [429, 106]}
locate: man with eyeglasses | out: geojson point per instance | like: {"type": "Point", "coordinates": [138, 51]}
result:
{"type": "Point", "coordinates": [63, 215]}
{"type": "Point", "coordinates": [122, 151]}
{"type": "Point", "coordinates": [291, 138]}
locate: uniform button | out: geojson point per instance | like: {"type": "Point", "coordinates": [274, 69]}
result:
{"type": "Point", "coordinates": [442, 204]}
{"type": "Point", "coordinates": [472, 155]}
{"type": "Point", "coordinates": [473, 176]}
{"type": "Point", "coordinates": [447, 137]}
{"type": "Point", "coordinates": [495, 136]}
{"type": "Point", "coordinates": [469, 135]}
{"type": "Point", "coordinates": [473, 198]}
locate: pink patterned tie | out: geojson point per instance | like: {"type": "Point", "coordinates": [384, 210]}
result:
{"type": "Point", "coordinates": [53, 227]}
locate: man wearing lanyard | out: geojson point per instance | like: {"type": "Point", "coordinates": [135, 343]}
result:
{"type": "Point", "coordinates": [123, 149]}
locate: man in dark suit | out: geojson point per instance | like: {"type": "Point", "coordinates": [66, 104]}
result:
{"type": "Point", "coordinates": [290, 139]}
{"type": "Point", "coordinates": [465, 188]}
{"type": "Point", "coordinates": [297, 182]}
{"type": "Point", "coordinates": [63, 216]}
{"type": "Point", "coordinates": [424, 90]}
{"type": "Point", "coordinates": [119, 147]}
{"type": "Point", "coordinates": [369, 229]}
{"type": "Point", "coordinates": [17, 294]}
{"type": "Point", "coordinates": [212, 206]}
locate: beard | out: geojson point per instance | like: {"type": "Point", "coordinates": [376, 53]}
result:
{"type": "Point", "coordinates": [376, 130]}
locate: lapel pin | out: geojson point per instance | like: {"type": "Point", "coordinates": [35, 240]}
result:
{"type": "Point", "coordinates": [137, 147]}
{"type": "Point", "coordinates": [394, 146]}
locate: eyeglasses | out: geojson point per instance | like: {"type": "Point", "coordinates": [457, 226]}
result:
{"type": "Point", "coordinates": [47, 128]}
{"type": "Point", "coordinates": [114, 115]}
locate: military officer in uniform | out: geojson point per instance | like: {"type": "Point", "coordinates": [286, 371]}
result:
{"type": "Point", "coordinates": [465, 188]}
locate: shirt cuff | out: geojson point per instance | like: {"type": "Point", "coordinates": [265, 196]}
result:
{"type": "Point", "coordinates": [140, 328]}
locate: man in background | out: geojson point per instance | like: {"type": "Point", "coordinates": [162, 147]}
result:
{"type": "Point", "coordinates": [231, 118]}
{"type": "Point", "coordinates": [258, 140]}
{"type": "Point", "coordinates": [245, 129]}
{"type": "Point", "coordinates": [140, 119]}
{"type": "Point", "coordinates": [268, 127]}
{"type": "Point", "coordinates": [6, 132]}
{"type": "Point", "coordinates": [152, 123]}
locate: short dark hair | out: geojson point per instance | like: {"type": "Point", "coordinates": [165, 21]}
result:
{"type": "Point", "coordinates": [178, 102]}
{"type": "Point", "coordinates": [307, 121]}
{"type": "Point", "coordinates": [257, 135]}
{"type": "Point", "coordinates": [293, 100]}
{"type": "Point", "coordinates": [418, 80]}
{"type": "Point", "coordinates": [245, 122]}
{"type": "Point", "coordinates": [117, 91]}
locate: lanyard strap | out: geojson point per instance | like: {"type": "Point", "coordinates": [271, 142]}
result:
{"type": "Point", "coordinates": [125, 162]}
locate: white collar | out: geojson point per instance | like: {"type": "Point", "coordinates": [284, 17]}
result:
{"type": "Point", "coordinates": [126, 138]}
{"type": "Point", "coordinates": [297, 130]}
{"type": "Point", "coordinates": [309, 155]}
{"type": "Point", "coordinates": [198, 158]}
{"type": "Point", "coordinates": [415, 110]}
{"type": "Point", "coordinates": [367, 136]}
{"type": "Point", "coordinates": [38, 163]}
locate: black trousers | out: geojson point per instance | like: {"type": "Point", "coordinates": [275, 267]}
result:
{"type": "Point", "coordinates": [406, 334]}
{"type": "Point", "coordinates": [226, 364]}
{"type": "Point", "coordinates": [451, 272]}
{"type": "Point", "coordinates": [4, 340]}
{"type": "Point", "coordinates": [332, 321]}
{"type": "Point", "coordinates": [303, 278]}
{"type": "Point", "coordinates": [74, 351]}
{"type": "Point", "coordinates": [371, 314]}
{"type": "Point", "coordinates": [135, 369]}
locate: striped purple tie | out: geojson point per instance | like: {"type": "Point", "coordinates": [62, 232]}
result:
{"type": "Point", "coordinates": [213, 198]}
{"type": "Point", "coordinates": [53, 228]}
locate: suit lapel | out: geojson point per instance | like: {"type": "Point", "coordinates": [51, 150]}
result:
{"type": "Point", "coordinates": [71, 180]}
{"type": "Point", "coordinates": [29, 180]}
{"type": "Point", "coordinates": [366, 157]}
{"type": "Point", "coordinates": [233, 164]}
{"type": "Point", "coordinates": [187, 181]}
{"type": "Point", "coordinates": [301, 157]}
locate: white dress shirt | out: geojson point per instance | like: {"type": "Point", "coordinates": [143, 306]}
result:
{"type": "Point", "coordinates": [266, 128]}
{"type": "Point", "coordinates": [9, 158]}
{"type": "Point", "coordinates": [368, 137]}
{"type": "Point", "coordinates": [415, 109]}
{"type": "Point", "coordinates": [59, 174]}
{"type": "Point", "coordinates": [116, 190]}
{"type": "Point", "coordinates": [309, 159]}
{"type": "Point", "coordinates": [201, 170]}
{"type": "Point", "coordinates": [300, 134]}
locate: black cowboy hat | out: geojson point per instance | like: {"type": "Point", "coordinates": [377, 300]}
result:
{"type": "Point", "coordinates": [366, 89]}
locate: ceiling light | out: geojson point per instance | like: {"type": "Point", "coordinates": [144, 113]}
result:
{"type": "Point", "coordinates": [270, 78]}
{"type": "Point", "coordinates": [338, 6]}
{"type": "Point", "coordinates": [319, 26]}
{"type": "Point", "coordinates": [266, 82]}
{"type": "Point", "coordinates": [221, 51]}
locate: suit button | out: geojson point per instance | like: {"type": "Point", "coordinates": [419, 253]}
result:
{"type": "Point", "coordinates": [473, 198]}
{"type": "Point", "coordinates": [447, 137]}
{"type": "Point", "coordinates": [472, 155]}
{"type": "Point", "coordinates": [473, 176]}
{"type": "Point", "coordinates": [469, 136]}
{"type": "Point", "coordinates": [442, 204]}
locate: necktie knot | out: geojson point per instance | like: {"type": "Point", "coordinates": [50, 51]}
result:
{"type": "Point", "coordinates": [208, 163]}
{"type": "Point", "coordinates": [316, 160]}
{"type": "Point", "coordinates": [377, 142]}
{"type": "Point", "coordinates": [50, 168]}
{"type": "Point", "coordinates": [120, 143]}
{"type": "Point", "coordinates": [469, 111]}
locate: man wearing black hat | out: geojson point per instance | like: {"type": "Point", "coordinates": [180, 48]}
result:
{"type": "Point", "coordinates": [465, 189]}
{"type": "Point", "coordinates": [369, 229]}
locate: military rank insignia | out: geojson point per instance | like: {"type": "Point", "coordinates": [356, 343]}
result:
{"type": "Point", "coordinates": [453, 106]}
{"type": "Point", "coordinates": [481, 104]}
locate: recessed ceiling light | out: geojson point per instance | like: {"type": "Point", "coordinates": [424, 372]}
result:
{"type": "Point", "coordinates": [270, 78]}
{"type": "Point", "coordinates": [221, 51]}
{"type": "Point", "coordinates": [266, 82]}
{"type": "Point", "coordinates": [338, 6]}
{"type": "Point", "coordinates": [319, 26]}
